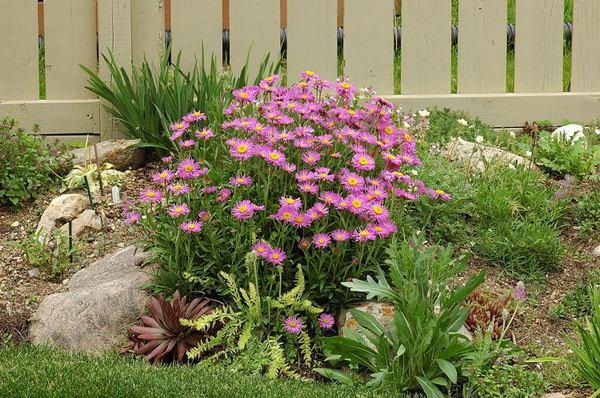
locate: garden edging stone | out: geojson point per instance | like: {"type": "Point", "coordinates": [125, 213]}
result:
{"type": "Point", "coordinates": [100, 302]}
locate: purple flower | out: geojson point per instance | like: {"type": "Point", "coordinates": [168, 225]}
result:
{"type": "Point", "coordinates": [179, 189]}
{"type": "Point", "coordinates": [191, 227]}
{"type": "Point", "coordinates": [244, 210]}
{"type": "Point", "coordinates": [163, 176]}
{"type": "Point", "coordinates": [204, 134]}
{"type": "Point", "coordinates": [179, 210]}
{"type": "Point", "coordinates": [188, 168]}
{"type": "Point", "coordinates": [326, 321]}
{"type": "Point", "coordinates": [151, 195]}
{"type": "Point", "coordinates": [261, 248]}
{"type": "Point", "coordinates": [293, 324]}
{"type": "Point", "coordinates": [362, 161]}
{"type": "Point", "coordinates": [340, 235]}
{"type": "Point", "coordinates": [276, 256]}
{"type": "Point", "coordinates": [132, 217]}
{"type": "Point", "coordinates": [223, 195]}
{"type": "Point", "coordinates": [240, 180]}
{"type": "Point", "coordinates": [519, 292]}
{"type": "Point", "coordinates": [321, 240]}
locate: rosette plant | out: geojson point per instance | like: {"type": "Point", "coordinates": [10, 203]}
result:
{"type": "Point", "coordinates": [311, 174]}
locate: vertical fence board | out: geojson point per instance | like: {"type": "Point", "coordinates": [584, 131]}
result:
{"type": "Point", "coordinates": [19, 68]}
{"type": "Point", "coordinates": [196, 24]}
{"type": "Point", "coordinates": [482, 46]}
{"type": "Point", "coordinates": [539, 46]}
{"type": "Point", "coordinates": [70, 37]}
{"type": "Point", "coordinates": [369, 43]}
{"type": "Point", "coordinates": [585, 64]}
{"type": "Point", "coordinates": [426, 46]}
{"type": "Point", "coordinates": [312, 38]}
{"type": "Point", "coordinates": [147, 31]}
{"type": "Point", "coordinates": [254, 33]}
{"type": "Point", "coordinates": [114, 34]}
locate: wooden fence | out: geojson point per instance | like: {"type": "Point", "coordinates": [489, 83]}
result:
{"type": "Point", "coordinates": [75, 30]}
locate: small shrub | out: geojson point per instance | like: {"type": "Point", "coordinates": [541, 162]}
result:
{"type": "Point", "coordinates": [587, 212]}
{"type": "Point", "coordinates": [28, 167]}
{"type": "Point", "coordinates": [577, 302]}
{"type": "Point", "coordinates": [560, 156]}
{"type": "Point", "coordinates": [161, 336]}
{"type": "Point", "coordinates": [51, 256]}
{"type": "Point", "coordinates": [422, 350]}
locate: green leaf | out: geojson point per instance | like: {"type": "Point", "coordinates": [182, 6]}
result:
{"type": "Point", "coordinates": [430, 389]}
{"type": "Point", "coordinates": [448, 369]}
{"type": "Point", "coordinates": [336, 375]}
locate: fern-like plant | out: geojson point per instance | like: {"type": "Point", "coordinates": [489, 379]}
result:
{"type": "Point", "coordinates": [253, 327]}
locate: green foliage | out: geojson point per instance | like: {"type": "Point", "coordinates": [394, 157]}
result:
{"type": "Point", "coordinates": [76, 177]}
{"type": "Point", "coordinates": [148, 98]}
{"type": "Point", "coordinates": [587, 212]}
{"type": "Point", "coordinates": [422, 349]}
{"type": "Point", "coordinates": [28, 167]}
{"type": "Point", "coordinates": [32, 371]}
{"type": "Point", "coordinates": [50, 256]}
{"type": "Point", "coordinates": [560, 156]}
{"type": "Point", "coordinates": [253, 328]}
{"type": "Point", "coordinates": [577, 302]}
{"type": "Point", "coordinates": [587, 351]}
{"type": "Point", "coordinates": [499, 370]}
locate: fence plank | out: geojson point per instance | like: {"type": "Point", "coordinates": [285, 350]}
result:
{"type": "Point", "coordinates": [55, 116]}
{"type": "Point", "coordinates": [312, 38]}
{"type": "Point", "coordinates": [70, 38]}
{"type": "Point", "coordinates": [585, 64]}
{"type": "Point", "coordinates": [426, 42]}
{"type": "Point", "coordinates": [511, 110]}
{"type": "Point", "coordinates": [147, 31]}
{"type": "Point", "coordinates": [19, 68]}
{"type": "Point", "coordinates": [539, 46]}
{"type": "Point", "coordinates": [369, 43]}
{"type": "Point", "coordinates": [482, 46]}
{"type": "Point", "coordinates": [114, 34]}
{"type": "Point", "coordinates": [197, 23]}
{"type": "Point", "coordinates": [254, 33]}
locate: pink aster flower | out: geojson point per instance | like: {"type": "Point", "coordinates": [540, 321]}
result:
{"type": "Point", "coordinates": [188, 168]}
{"type": "Point", "coordinates": [340, 235]}
{"type": "Point", "coordinates": [223, 195]}
{"type": "Point", "coordinates": [304, 176]}
{"type": "Point", "coordinates": [321, 240]}
{"type": "Point", "coordinates": [132, 217]}
{"type": "Point", "coordinates": [362, 161]}
{"type": "Point", "coordinates": [309, 187]}
{"type": "Point", "coordinates": [204, 134]}
{"type": "Point", "coordinates": [151, 195]}
{"type": "Point", "coordinates": [357, 203]}
{"type": "Point", "coordinates": [186, 143]}
{"type": "Point", "coordinates": [385, 228]}
{"type": "Point", "coordinates": [179, 210]}
{"type": "Point", "coordinates": [276, 256]}
{"type": "Point", "coordinates": [261, 249]}
{"type": "Point", "coordinates": [289, 167]}
{"type": "Point", "coordinates": [326, 321]}
{"type": "Point", "coordinates": [296, 203]}
{"type": "Point", "coordinates": [311, 157]}
{"type": "Point", "coordinates": [209, 189]}
{"type": "Point", "coordinates": [204, 215]}
{"type": "Point", "coordinates": [245, 209]}
{"type": "Point", "coordinates": [246, 94]}
{"type": "Point", "coordinates": [322, 174]}
{"type": "Point", "coordinates": [329, 197]}
{"type": "Point", "coordinates": [240, 149]}
{"type": "Point", "coordinates": [240, 180]}
{"type": "Point", "coordinates": [293, 324]}
{"type": "Point", "coordinates": [274, 157]}
{"type": "Point", "coordinates": [301, 220]}
{"type": "Point", "coordinates": [286, 213]}
{"type": "Point", "coordinates": [191, 227]}
{"type": "Point", "coordinates": [163, 176]}
{"type": "Point", "coordinates": [195, 116]}
{"type": "Point", "coordinates": [377, 211]}
{"type": "Point", "coordinates": [181, 125]}
{"type": "Point", "coordinates": [179, 189]}
{"type": "Point", "coordinates": [167, 159]}
{"type": "Point", "coordinates": [321, 209]}
{"type": "Point", "coordinates": [352, 181]}
{"type": "Point", "coordinates": [364, 234]}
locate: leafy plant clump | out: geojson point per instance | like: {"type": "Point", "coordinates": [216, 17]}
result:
{"type": "Point", "coordinates": [148, 98]}
{"type": "Point", "coordinates": [560, 155]}
{"type": "Point", "coordinates": [162, 337]}
{"type": "Point", "coordinates": [294, 174]}
{"type": "Point", "coordinates": [51, 256]}
{"type": "Point", "coordinates": [28, 166]}
{"type": "Point", "coordinates": [422, 350]}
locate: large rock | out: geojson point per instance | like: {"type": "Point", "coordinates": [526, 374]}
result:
{"type": "Point", "coordinates": [596, 252]}
{"type": "Point", "coordinates": [570, 132]}
{"type": "Point", "coordinates": [62, 209]}
{"type": "Point", "coordinates": [101, 301]}
{"type": "Point", "coordinates": [120, 153]}
{"type": "Point", "coordinates": [477, 154]}
{"type": "Point", "coordinates": [89, 219]}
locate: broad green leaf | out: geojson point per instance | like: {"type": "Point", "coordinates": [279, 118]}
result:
{"type": "Point", "coordinates": [335, 375]}
{"type": "Point", "coordinates": [448, 369]}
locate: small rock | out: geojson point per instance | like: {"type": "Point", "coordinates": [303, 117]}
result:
{"type": "Point", "coordinates": [477, 155]}
{"type": "Point", "coordinates": [120, 153]}
{"type": "Point", "coordinates": [62, 209]}
{"type": "Point", "coordinates": [86, 220]}
{"type": "Point", "coordinates": [554, 395]}
{"type": "Point", "coordinates": [33, 273]}
{"type": "Point", "coordinates": [65, 282]}
{"type": "Point", "coordinates": [596, 251]}
{"type": "Point", "coordinates": [15, 224]}
{"type": "Point", "coordinates": [570, 132]}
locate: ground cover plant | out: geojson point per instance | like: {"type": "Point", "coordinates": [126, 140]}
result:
{"type": "Point", "coordinates": [292, 174]}
{"type": "Point", "coordinates": [28, 166]}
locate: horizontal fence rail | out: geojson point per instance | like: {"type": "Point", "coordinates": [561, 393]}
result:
{"type": "Point", "coordinates": [461, 54]}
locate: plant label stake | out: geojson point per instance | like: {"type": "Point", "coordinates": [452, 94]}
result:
{"type": "Point", "coordinates": [86, 185]}
{"type": "Point", "coordinates": [98, 168]}
{"type": "Point", "coordinates": [116, 195]}
{"type": "Point", "coordinates": [71, 241]}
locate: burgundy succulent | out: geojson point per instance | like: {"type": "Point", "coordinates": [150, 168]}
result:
{"type": "Point", "coordinates": [488, 311]}
{"type": "Point", "coordinates": [161, 337]}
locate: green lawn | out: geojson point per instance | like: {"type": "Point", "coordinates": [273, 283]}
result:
{"type": "Point", "coordinates": [27, 371]}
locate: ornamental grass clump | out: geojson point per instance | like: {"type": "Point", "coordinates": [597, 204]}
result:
{"type": "Point", "coordinates": [314, 174]}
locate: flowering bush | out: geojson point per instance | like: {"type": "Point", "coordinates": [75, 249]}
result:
{"type": "Point", "coordinates": [313, 174]}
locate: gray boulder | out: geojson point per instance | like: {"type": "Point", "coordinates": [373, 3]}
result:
{"type": "Point", "coordinates": [477, 154]}
{"type": "Point", "coordinates": [100, 302]}
{"type": "Point", "coordinates": [120, 153]}
{"type": "Point", "coordinates": [596, 252]}
{"type": "Point", "coordinates": [62, 209]}
{"type": "Point", "coordinates": [88, 220]}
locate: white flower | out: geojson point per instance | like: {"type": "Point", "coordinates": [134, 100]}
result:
{"type": "Point", "coordinates": [512, 134]}
{"type": "Point", "coordinates": [463, 122]}
{"type": "Point", "coordinates": [511, 166]}
{"type": "Point", "coordinates": [479, 139]}
{"type": "Point", "coordinates": [597, 131]}
{"type": "Point", "coordinates": [528, 154]}
{"type": "Point", "coordinates": [414, 172]}
{"type": "Point", "coordinates": [406, 125]}
{"type": "Point", "coordinates": [424, 113]}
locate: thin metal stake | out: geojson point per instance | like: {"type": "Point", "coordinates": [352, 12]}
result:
{"type": "Point", "coordinates": [99, 170]}
{"type": "Point", "coordinates": [86, 185]}
{"type": "Point", "coordinates": [70, 241]}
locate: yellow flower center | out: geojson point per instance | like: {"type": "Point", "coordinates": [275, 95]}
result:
{"type": "Point", "coordinates": [439, 192]}
{"type": "Point", "coordinates": [293, 324]}
{"type": "Point", "coordinates": [290, 201]}
{"type": "Point", "coordinates": [287, 215]}
{"type": "Point", "coordinates": [178, 210]}
{"type": "Point", "coordinates": [258, 128]}
{"type": "Point", "coordinates": [388, 130]}
{"type": "Point", "coordinates": [243, 208]}
{"type": "Point", "coordinates": [260, 249]}
{"type": "Point", "coordinates": [244, 95]}
{"type": "Point", "coordinates": [179, 126]}
{"type": "Point", "coordinates": [274, 156]}
{"type": "Point", "coordinates": [364, 232]}
{"type": "Point", "coordinates": [276, 256]}
{"type": "Point", "coordinates": [150, 194]}
{"type": "Point", "coordinates": [242, 148]}
{"type": "Point", "coordinates": [321, 240]}
{"type": "Point", "coordinates": [299, 219]}
{"type": "Point", "coordinates": [191, 226]}
{"type": "Point", "coordinates": [357, 203]}
{"type": "Point", "coordinates": [407, 137]}
{"type": "Point", "coordinates": [291, 105]}
{"type": "Point", "coordinates": [363, 161]}
{"type": "Point", "coordinates": [378, 210]}
{"type": "Point", "coordinates": [188, 168]}
{"type": "Point", "coordinates": [345, 85]}
{"type": "Point", "coordinates": [352, 181]}
{"type": "Point", "coordinates": [309, 73]}
{"type": "Point", "coordinates": [163, 175]}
